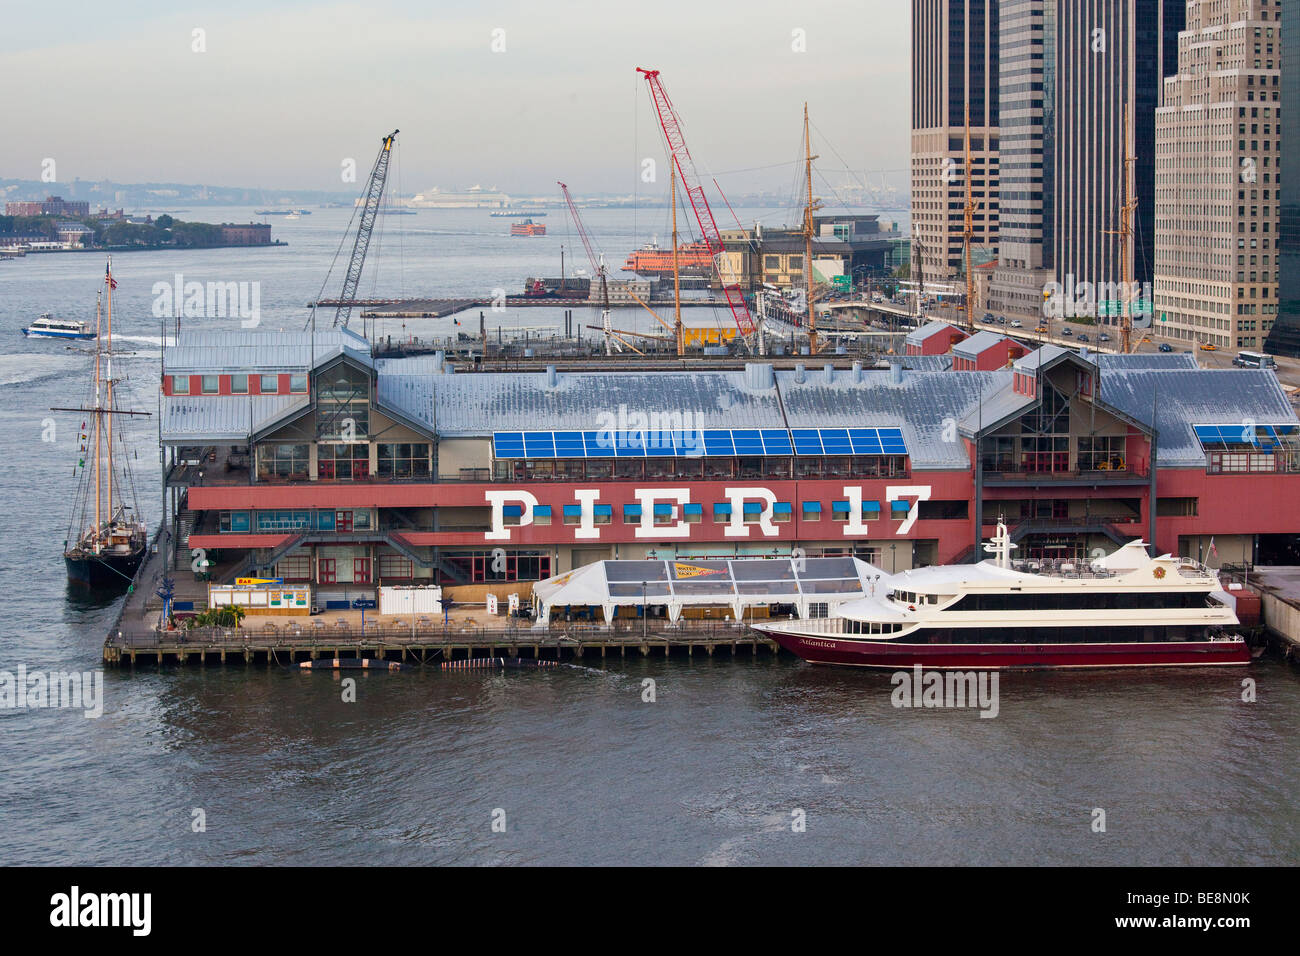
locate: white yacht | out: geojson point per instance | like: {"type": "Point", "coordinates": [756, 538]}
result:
{"type": "Point", "coordinates": [47, 326]}
{"type": "Point", "coordinates": [1127, 609]}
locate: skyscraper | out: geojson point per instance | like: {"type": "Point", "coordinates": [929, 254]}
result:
{"type": "Point", "coordinates": [1071, 69]}
{"type": "Point", "coordinates": [1026, 170]}
{"type": "Point", "coordinates": [1111, 54]}
{"type": "Point", "coordinates": [1217, 177]}
{"type": "Point", "coordinates": [954, 66]}
{"type": "Point", "coordinates": [1284, 339]}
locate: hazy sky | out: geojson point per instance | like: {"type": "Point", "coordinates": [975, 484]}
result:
{"type": "Point", "coordinates": [289, 88]}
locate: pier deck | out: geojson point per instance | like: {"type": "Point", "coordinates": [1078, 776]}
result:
{"type": "Point", "coordinates": [291, 643]}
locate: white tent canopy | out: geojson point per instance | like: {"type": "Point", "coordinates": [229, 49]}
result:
{"type": "Point", "coordinates": [734, 583]}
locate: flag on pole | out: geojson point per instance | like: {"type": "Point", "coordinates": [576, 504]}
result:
{"type": "Point", "coordinates": [108, 277]}
{"type": "Point", "coordinates": [1213, 550]}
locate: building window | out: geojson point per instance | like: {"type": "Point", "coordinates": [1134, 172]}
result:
{"type": "Point", "coordinates": [239, 384]}
{"type": "Point", "coordinates": [268, 384]}
{"type": "Point", "coordinates": [295, 567]}
{"type": "Point", "coordinates": [479, 567]}
{"type": "Point", "coordinates": [298, 383]}
{"type": "Point", "coordinates": [180, 384]}
{"type": "Point", "coordinates": [812, 511]}
{"type": "Point", "coordinates": [210, 384]}
{"type": "Point", "coordinates": [393, 565]}
{"type": "Point", "coordinates": [286, 462]}
{"type": "Point", "coordinates": [404, 460]}
{"type": "Point", "coordinates": [343, 462]}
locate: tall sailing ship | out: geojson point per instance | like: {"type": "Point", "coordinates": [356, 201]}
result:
{"type": "Point", "coordinates": [106, 538]}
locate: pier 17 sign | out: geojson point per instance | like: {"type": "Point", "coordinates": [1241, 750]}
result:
{"type": "Point", "coordinates": [753, 500]}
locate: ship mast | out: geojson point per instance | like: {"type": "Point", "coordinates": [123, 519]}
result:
{"type": "Point", "coordinates": [1125, 225]}
{"type": "Point", "coordinates": [807, 237]}
{"type": "Point", "coordinates": [969, 234]}
{"type": "Point", "coordinates": [677, 279]}
{"type": "Point", "coordinates": [108, 280]}
{"type": "Point", "coordinates": [99, 419]}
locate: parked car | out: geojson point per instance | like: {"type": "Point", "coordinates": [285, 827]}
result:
{"type": "Point", "coordinates": [1166, 347]}
{"type": "Point", "coordinates": [1083, 336]}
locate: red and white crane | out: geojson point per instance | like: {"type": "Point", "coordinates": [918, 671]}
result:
{"type": "Point", "coordinates": [681, 156]}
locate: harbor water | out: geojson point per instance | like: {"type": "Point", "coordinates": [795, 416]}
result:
{"type": "Point", "coordinates": [751, 760]}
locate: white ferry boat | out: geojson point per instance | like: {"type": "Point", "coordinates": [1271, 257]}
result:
{"type": "Point", "coordinates": [47, 326]}
{"type": "Point", "coordinates": [1124, 610]}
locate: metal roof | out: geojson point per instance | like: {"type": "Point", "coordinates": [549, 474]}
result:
{"type": "Point", "coordinates": [249, 351]}
{"type": "Point", "coordinates": [926, 363]}
{"type": "Point", "coordinates": [917, 336]}
{"type": "Point", "coordinates": [1182, 398]}
{"type": "Point", "coordinates": [213, 418]}
{"type": "Point", "coordinates": [925, 405]}
{"type": "Point", "coordinates": [1045, 355]}
{"type": "Point", "coordinates": [1151, 360]}
{"type": "Point", "coordinates": [478, 404]}
{"type": "Point", "coordinates": [979, 342]}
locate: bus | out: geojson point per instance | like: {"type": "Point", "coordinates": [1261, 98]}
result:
{"type": "Point", "coordinates": [1246, 359]}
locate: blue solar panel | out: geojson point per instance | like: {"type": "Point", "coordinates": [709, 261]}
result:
{"type": "Point", "coordinates": [539, 445]}
{"type": "Point", "coordinates": [508, 444]}
{"type": "Point", "coordinates": [836, 441]}
{"type": "Point", "coordinates": [718, 443]}
{"type": "Point", "coordinates": [777, 442]}
{"type": "Point", "coordinates": [892, 440]}
{"type": "Point", "coordinates": [807, 441]}
{"type": "Point", "coordinates": [629, 444]}
{"type": "Point", "coordinates": [866, 441]}
{"type": "Point", "coordinates": [569, 445]}
{"type": "Point", "coordinates": [721, 442]}
{"type": "Point", "coordinates": [747, 442]}
{"type": "Point", "coordinates": [688, 443]}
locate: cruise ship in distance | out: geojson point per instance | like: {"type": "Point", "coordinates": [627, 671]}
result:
{"type": "Point", "coordinates": [1124, 610]}
{"type": "Point", "coordinates": [476, 197]}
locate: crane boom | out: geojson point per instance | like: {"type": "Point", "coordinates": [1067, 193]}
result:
{"type": "Point", "coordinates": [582, 230]}
{"type": "Point", "coordinates": [374, 192]}
{"type": "Point", "coordinates": [681, 157]}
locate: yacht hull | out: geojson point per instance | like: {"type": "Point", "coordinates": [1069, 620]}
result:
{"type": "Point", "coordinates": [104, 571]}
{"type": "Point", "coordinates": [825, 649]}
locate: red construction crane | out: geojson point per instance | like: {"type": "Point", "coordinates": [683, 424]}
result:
{"type": "Point", "coordinates": [596, 266]}
{"type": "Point", "coordinates": [672, 128]}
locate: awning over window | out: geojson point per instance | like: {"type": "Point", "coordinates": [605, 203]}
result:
{"type": "Point", "coordinates": [694, 509]}
{"type": "Point", "coordinates": [813, 506]}
{"type": "Point", "coordinates": [663, 508]}
{"type": "Point", "coordinates": [573, 511]}
{"type": "Point", "coordinates": [753, 508]}
{"type": "Point", "coordinates": [781, 508]}
{"type": "Point", "coordinates": [631, 511]}
{"type": "Point", "coordinates": [513, 511]}
{"type": "Point", "coordinates": [604, 509]}
{"type": "Point", "coordinates": [722, 508]}
{"type": "Point", "coordinates": [542, 511]}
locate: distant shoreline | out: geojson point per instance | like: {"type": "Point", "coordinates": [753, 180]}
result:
{"type": "Point", "coordinates": [229, 245]}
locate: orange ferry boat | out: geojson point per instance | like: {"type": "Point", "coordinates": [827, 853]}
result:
{"type": "Point", "coordinates": [527, 228]}
{"type": "Point", "coordinates": [693, 258]}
